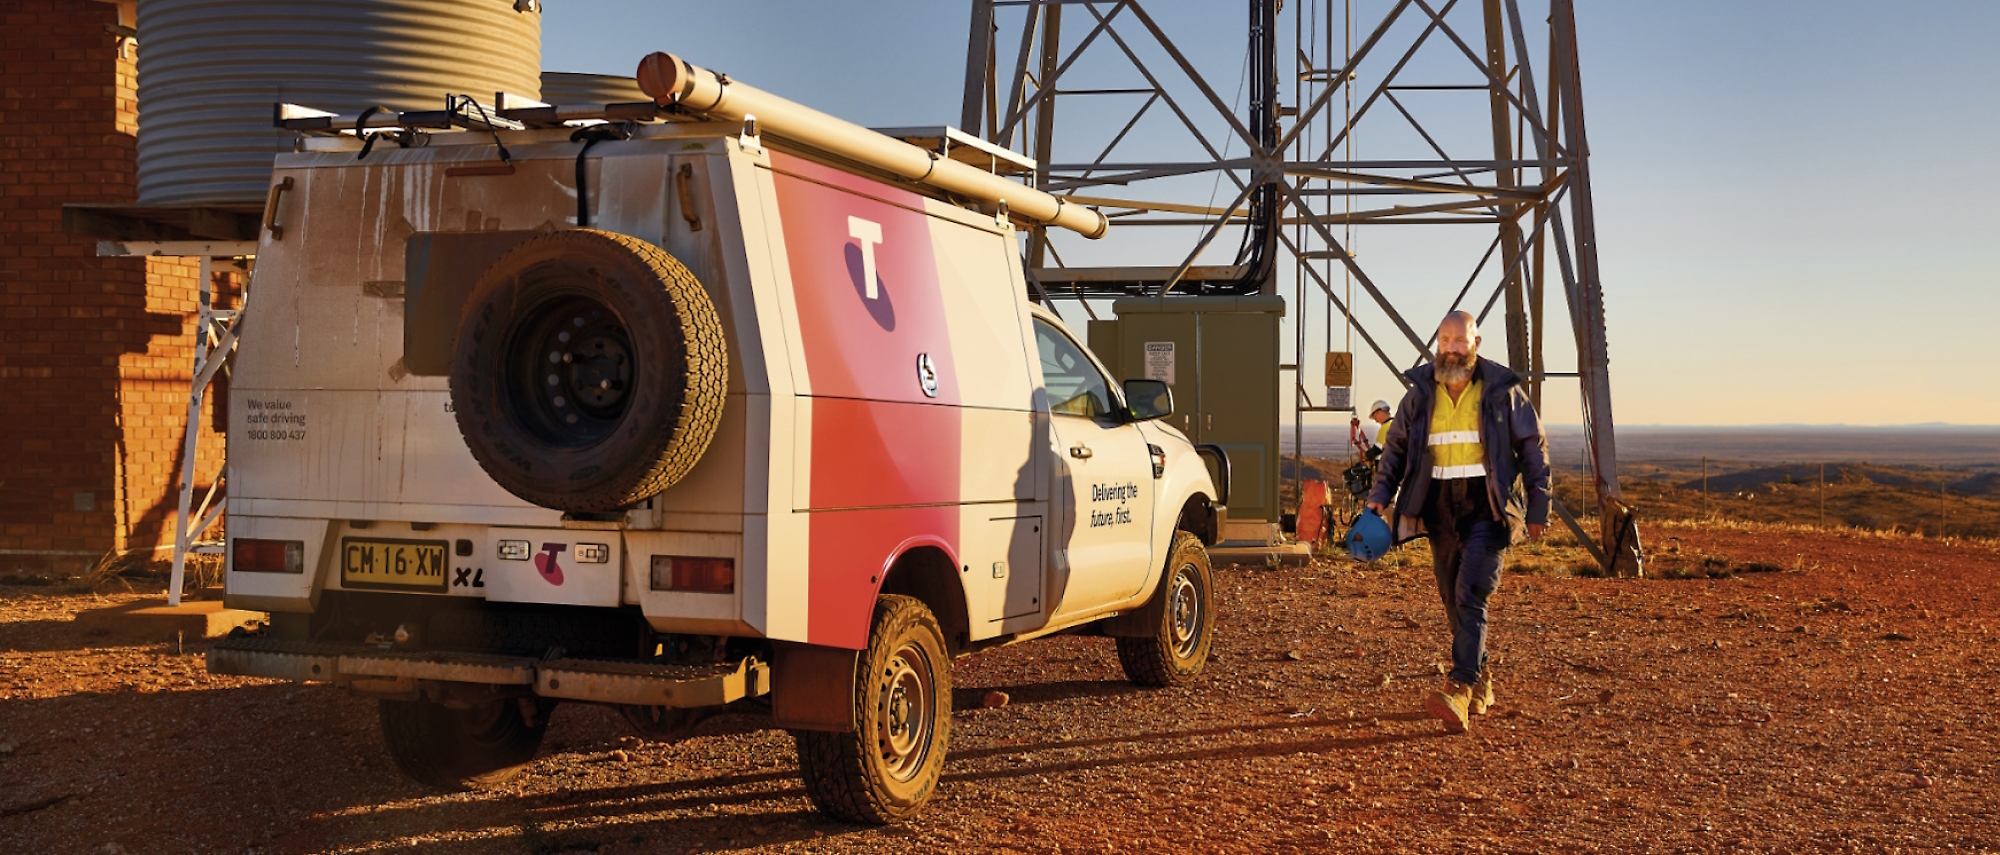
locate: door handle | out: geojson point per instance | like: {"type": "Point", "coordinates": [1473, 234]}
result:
{"type": "Point", "coordinates": [1080, 452]}
{"type": "Point", "coordinates": [271, 201]}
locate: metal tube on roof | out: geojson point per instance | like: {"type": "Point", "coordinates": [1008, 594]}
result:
{"type": "Point", "coordinates": [669, 80]}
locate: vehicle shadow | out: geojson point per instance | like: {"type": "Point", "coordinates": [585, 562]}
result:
{"type": "Point", "coordinates": [55, 628]}
{"type": "Point", "coordinates": [1314, 745]}
{"type": "Point", "coordinates": [697, 815]}
{"type": "Point", "coordinates": [706, 814]}
{"type": "Point", "coordinates": [972, 699]}
{"type": "Point", "coordinates": [699, 834]}
{"type": "Point", "coordinates": [304, 766]}
{"type": "Point", "coordinates": [46, 636]}
{"type": "Point", "coordinates": [1180, 736]}
{"type": "Point", "coordinates": [250, 746]}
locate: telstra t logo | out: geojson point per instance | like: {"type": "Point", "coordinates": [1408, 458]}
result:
{"type": "Point", "coordinates": [868, 233]}
{"type": "Point", "coordinates": [546, 564]}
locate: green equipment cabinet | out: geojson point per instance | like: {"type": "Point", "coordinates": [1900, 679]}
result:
{"type": "Point", "coordinates": [1220, 355]}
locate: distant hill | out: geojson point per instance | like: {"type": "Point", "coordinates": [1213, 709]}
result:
{"type": "Point", "coordinates": [1918, 444]}
{"type": "Point", "coordinates": [1982, 484]}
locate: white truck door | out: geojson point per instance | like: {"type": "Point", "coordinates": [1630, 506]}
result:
{"type": "Point", "coordinates": [1101, 543]}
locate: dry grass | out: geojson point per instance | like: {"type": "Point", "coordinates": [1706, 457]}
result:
{"type": "Point", "coordinates": [1759, 527]}
{"type": "Point", "coordinates": [105, 576]}
{"type": "Point", "coordinates": [114, 572]}
{"type": "Point", "coordinates": [1851, 502]}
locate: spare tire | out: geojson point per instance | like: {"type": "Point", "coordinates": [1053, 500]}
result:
{"type": "Point", "coordinates": [589, 371]}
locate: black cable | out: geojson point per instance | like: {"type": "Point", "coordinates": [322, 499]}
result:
{"type": "Point", "coordinates": [1262, 227]}
{"type": "Point", "coordinates": [467, 100]}
{"type": "Point", "coordinates": [361, 126]}
{"type": "Point", "coordinates": [591, 136]}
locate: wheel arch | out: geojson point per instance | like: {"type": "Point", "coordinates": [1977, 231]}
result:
{"type": "Point", "coordinates": [1199, 517]}
{"type": "Point", "coordinates": [924, 568]}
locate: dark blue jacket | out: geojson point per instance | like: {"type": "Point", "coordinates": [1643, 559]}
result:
{"type": "Point", "coordinates": [1516, 448]}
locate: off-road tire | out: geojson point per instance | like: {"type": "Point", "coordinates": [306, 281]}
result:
{"type": "Point", "coordinates": [876, 774]}
{"type": "Point", "coordinates": [455, 749]}
{"type": "Point", "coordinates": [631, 396]}
{"type": "Point", "coordinates": [1177, 650]}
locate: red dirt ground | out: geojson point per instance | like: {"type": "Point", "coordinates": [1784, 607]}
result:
{"type": "Point", "coordinates": [1841, 701]}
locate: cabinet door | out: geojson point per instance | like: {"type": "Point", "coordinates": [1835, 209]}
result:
{"type": "Point", "coordinates": [1015, 584]}
{"type": "Point", "coordinates": [1239, 361]}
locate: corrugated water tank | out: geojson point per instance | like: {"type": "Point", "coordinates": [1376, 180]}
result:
{"type": "Point", "coordinates": [209, 71]}
{"type": "Point", "coordinates": [570, 89]}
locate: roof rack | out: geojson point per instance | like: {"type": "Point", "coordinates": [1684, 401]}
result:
{"type": "Point", "coordinates": [461, 112]}
{"type": "Point", "coordinates": [510, 112]}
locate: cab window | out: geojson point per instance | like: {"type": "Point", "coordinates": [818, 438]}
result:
{"type": "Point", "coordinates": [1074, 385]}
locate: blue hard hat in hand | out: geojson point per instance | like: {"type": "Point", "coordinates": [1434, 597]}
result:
{"type": "Point", "coordinates": [1370, 537]}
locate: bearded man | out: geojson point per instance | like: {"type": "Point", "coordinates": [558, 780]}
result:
{"type": "Point", "coordinates": [1463, 436]}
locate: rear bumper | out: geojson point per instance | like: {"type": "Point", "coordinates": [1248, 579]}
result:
{"type": "Point", "coordinates": [380, 671]}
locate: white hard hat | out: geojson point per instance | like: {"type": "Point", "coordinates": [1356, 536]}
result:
{"type": "Point", "coordinates": [1379, 407]}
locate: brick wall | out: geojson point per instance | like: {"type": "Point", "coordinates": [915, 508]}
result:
{"type": "Point", "coordinates": [95, 353]}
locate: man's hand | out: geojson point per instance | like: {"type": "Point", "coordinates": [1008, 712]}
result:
{"type": "Point", "coordinates": [1377, 508]}
{"type": "Point", "coordinates": [1536, 530]}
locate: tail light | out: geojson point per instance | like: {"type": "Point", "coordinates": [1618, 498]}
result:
{"type": "Point", "coordinates": [269, 556]}
{"type": "Point", "coordinates": [694, 574]}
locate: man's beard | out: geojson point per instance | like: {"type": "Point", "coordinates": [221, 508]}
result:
{"type": "Point", "coordinates": [1453, 369]}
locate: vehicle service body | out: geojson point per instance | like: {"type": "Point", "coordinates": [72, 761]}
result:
{"type": "Point", "coordinates": [887, 415]}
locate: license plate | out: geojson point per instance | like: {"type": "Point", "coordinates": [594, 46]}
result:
{"type": "Point", "coordinates": [415, 565]}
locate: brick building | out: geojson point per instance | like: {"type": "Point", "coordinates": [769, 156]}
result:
{"type": "Point", "coordinates": [95, 353]}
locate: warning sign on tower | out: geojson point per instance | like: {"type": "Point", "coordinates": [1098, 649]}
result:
{"type": "Point", "coordinates": [1340, 369]}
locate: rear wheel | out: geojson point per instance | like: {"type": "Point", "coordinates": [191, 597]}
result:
{"type": "Point", "coordinates": [1177, 649]}
{"type": "Point", "coordinates": [459, 749]}
{"type": "Point", "coordinates": [887, 768]}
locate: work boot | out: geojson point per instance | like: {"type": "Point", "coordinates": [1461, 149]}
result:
{"type": "Point", "coordinates": [1449, 705]}
{"type": "Point", "coordinates": [1482, 695]}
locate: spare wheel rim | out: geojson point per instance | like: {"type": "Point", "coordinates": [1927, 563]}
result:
{"type": "Point", "coordinates": [570, 371]}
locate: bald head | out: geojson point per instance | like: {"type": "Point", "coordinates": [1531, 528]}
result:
{"type": "Point", "coordinates": [1457, 347]}
{"type": "Point", "coordinates": [1459, 325]}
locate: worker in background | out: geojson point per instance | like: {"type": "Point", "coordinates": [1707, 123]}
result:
{"type": "Point", "coordinates": [1381, 414]}
{"type": "Point", "coordinates": [1463, 436]}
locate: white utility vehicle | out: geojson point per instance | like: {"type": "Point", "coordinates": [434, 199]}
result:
{"type": "Point", "coordinates": [710, 403]}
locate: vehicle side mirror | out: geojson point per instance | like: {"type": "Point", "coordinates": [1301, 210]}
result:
{"type": "Point", "coordinates": [1149, 399]}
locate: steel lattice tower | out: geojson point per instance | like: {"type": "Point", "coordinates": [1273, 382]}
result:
{"type": "Point", "coordinates": [1433, 68]}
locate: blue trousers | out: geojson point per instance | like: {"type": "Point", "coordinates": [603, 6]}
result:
{"type": "Point", "coordinates": [1467, 547]}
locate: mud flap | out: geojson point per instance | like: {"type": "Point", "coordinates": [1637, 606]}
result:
{"type": "Point", "coordinates": [812, 687]}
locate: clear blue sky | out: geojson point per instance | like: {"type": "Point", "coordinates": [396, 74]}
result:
{"type": "Point", "coordinates": [1797, 200]}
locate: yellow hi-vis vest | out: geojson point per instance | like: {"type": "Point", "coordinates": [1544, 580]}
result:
{"type": "Point", "coordinates": [1455, 448]}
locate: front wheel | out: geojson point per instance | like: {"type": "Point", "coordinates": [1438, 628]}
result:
{"type": "Point", "coordinates": [1177, 649]}
{"type": "Point", "coordinates": [888, 766]}
{"type": "Point", "coordinates": [461, 749]}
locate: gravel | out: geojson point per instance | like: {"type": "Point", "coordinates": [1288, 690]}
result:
{"type": "Point", "coordinates": [1841, 701]}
